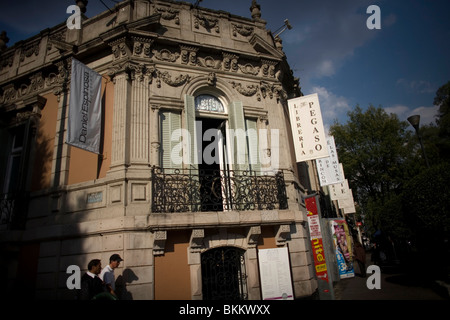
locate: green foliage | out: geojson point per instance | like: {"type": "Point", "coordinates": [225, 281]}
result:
{"type": "Point", "coordinates": [384, 165]}
{"type": "Point", "coordinates": [372, 147]}
{"type": "Point", "coordinates": [442, 100]}
{"type": "Point", "coordinates": [426, 198]}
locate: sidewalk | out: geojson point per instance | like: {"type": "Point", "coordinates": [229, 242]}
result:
{"type": "Point", "coordinates": [395, 285]}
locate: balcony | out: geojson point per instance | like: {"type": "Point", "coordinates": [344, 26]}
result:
{"type": "Point", "coordinates": [185, 190]}
{"type": "Point", "coordinates": [13, 209]}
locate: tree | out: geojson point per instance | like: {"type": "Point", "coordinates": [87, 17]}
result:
{"type": "Point", "coordinates": [442, 100]}
{"type": "Point", "coordinates": [373, 148]}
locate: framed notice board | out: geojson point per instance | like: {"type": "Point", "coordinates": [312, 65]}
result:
{"type": "Point", "coordinates": [275, 274]}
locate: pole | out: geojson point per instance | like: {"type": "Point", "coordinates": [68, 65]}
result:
{"type": "Point", "coordinates": [423, 149]}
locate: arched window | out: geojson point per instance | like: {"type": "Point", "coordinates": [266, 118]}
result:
{"type": "Point", "coordinates": [209, 103]}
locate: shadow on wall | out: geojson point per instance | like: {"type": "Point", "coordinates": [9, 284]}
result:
{"type": "Point", "coordinates": [128, 276]}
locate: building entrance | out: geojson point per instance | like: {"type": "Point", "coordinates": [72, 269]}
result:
{"type": "Point", "coordinates": [223, 274]}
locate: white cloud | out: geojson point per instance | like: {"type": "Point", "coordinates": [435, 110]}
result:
{"type": "Point", "coordinates": [416, 86]}
{"type": "Point", "coordinates": [332, 106]}
{"type": "Point", "coordinates": [326, 33]}
{"type": "Point", "coordinates": [427, 114]}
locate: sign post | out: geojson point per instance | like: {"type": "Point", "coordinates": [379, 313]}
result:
{"type": "Point", "coordinates": [324, 282]}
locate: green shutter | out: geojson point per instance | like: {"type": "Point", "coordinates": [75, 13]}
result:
{"type": "Point", "coordinates": [170, 122]}
{"type": "Point", "coordinates": [253, 149]}
{"type": "Point", "coordinates": [239, 142]}
{"type": "Point", "coordinates": [189, 116]}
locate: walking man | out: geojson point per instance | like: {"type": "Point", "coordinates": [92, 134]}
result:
{"type": "Point", "coordinates": [107, 274]}
{"type": "Point", "coordinates": [91, 284]}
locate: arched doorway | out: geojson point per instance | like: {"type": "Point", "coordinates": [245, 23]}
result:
{"type": "Point", "coordinates": [223, 274]}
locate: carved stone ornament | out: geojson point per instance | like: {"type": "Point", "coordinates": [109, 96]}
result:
{"type": "Point", "coordinates": [167, 78]}
{"type": "Point", "coordinates": [29, 50]}
{"type": "Point", "coordinates": [141, 46]}
{"type": "Point", "coordinates": [206, 22]}
{"type": "Point", "coordinates": [249, 69]}
{"type": "Point", "coordinates": [253, 234]}
{"type": "Point", "coordinates": [209, 62]}
{"type": "Point", "coordinates": [159, 242]}
{"type": "Point", "coordinates": [189, 55]}
{"type": "Point", "coordinates": [282, 234]}
{"type": "Point", "coordinates": [268, 68]}
{"type": "Point", "coordinates": [242, 30]}
{"type": "Point", "coordinates": [166, 55]}
{"type": "Point", "coordinates": [267, 89]}
{"type": "Point", "coordinates": [230, 62]}
{"type": "Point", "coordinates": [169, 14]}
{"type": "Point", "coordinates": [6, 61]}
{"type": "Point", "coordinates": [248, 91]}
{"type": "Point", "coordinates": [119, 48]}
{"type": "Point", "coordinates": [212, 79]}
{"type": "Point", "coordinates": [196, 242]}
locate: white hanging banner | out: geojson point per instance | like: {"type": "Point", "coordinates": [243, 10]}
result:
{"type": "Point", "coordinates": [85, 112]}
{"type": "Point", "coordinates": [328, 168]}
{"type": "Point", "coordinates": [308, 131]}
{"type": "Point", "coordinates": [339, 190]}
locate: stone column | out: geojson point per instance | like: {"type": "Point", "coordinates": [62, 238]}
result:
{"type": "Point", "coordinates": [139, 118]}
{"type": "Point", "coordinates": [120, 134]}
{"type": "Point", "coordinates": [155, 137]}
{"type": "Point", "coordinates": [61, 150]}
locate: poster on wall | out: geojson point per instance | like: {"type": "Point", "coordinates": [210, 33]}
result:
{"type": "Point", "coordinates": [275, 271]}
{"type": "Point", "coordinates": [343, 246]}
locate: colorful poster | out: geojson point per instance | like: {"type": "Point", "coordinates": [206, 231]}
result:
{"type": "Point", "coordinates": [343, 246]}
{"type": "Point", "coordinates": [316, 239]}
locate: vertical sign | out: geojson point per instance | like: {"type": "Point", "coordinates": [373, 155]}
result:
{"type": "Point", "coordinates": [328, 168]}
{"type": "Point", "coordinates": [317, 247]}
{"type": "Point", "coordinates": [307, 128]}
{"type": "Point", "coordinates": [276, 283]}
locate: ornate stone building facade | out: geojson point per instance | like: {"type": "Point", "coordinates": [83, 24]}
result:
{"type": "Point", "coordinates": [167, 67]}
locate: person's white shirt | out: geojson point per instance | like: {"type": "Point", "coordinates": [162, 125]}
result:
{"type": "Point", "coordinates": [107, 275]}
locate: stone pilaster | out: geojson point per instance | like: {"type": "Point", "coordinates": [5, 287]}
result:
{"type": "Point", "coordinates": [155, 136]}
{"type": "Point", "coordinates": [61, 150]}
{"type": "Point", "coordinates": [120, 134]}
{"type": "Point", "coordinates": [139, 120]}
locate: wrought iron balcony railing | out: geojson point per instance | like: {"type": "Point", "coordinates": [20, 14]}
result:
{"type": "Point", "coordinates": [13, 208]}
{"type": "Point", "coordinates": [186, 190]}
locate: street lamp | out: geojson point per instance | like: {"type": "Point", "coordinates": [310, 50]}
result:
{"type": "Point", "coordinates": [414, 121]}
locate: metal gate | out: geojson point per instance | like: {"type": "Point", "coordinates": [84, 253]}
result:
{"type": "Point", "coordinates": [223, 274]}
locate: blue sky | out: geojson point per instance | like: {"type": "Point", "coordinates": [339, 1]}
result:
{"type": "Point", "coordinates": [399, 67]}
